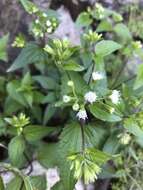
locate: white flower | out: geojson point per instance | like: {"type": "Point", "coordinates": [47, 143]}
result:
{"type": "Point", "coordinates": [90, 97]}
{"type": "Point", "coordinates": [49, 30]}
{"type": "Point", "coordinates": [82, 114]}
{"type": "Point", "coordinates": [66, 98]}
{"type": "Point", "coordinates": [124, 138]}
{"type": "Point", "coordinates": [44, 15]}
{"type": "Point", "coordinates": [75, 107]}
{"type": "Point", "coordinates": [70, 83]}
{"type": "Point", "coordinates": [36, 21]}
{"type": "Point", "coordinates": [97, 76]}
{"type": "Point", "coordinates": [48, 23]}
{"type": "Point", "coordinates": [115, 96]}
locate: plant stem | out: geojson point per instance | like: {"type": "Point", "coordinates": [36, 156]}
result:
{"type": "Point", "coordinates": [83, 147]}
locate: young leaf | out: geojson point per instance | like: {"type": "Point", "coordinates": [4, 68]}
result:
{"type": "Point", "coordinates": [29, 6]}
{"type": "Point", "coordinates": [101, 112]}
{"type": "Point", "coordinates": [72, 66]}
{"type": "Point", "coordinates": [32, 53]}
{"type": "Point", "coordinates": [83, 20]}
{"type": "Point", "coordinates": [35, 132]}
{"type": "Point", "coordinates": [16, 149]}
{"type": "Point", "coordinates": [3, 47]}
{"type": "Point", "coordinates": [106, 47]}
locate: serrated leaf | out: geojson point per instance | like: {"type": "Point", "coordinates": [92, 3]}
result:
{"type": "Point", "coordinates": [36, 132]}
{"type": "Point", "coordinates": [32, 53]}
{"type": "Point", "coordinates": [101, 112]}
{"type": "Point", "coordinates": [16, 149]}
{"type": "Point", "coordinates": [72, 66]}
{"type": "Point", "coordinates": [3, 47]}
{"type": "Point", "coordinates": [106, 47]}
{"type": "Point", "coordinates": [139, 79]}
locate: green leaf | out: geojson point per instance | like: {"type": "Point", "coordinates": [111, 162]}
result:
{"type": "Point", "coordinates": [3, 47]}
{"type": "Point", "coordinates": [123, 32]}
{"type": "Point", "coordinates": [51, 155]}
{"type": "Point", "coordinates": [1, 184]}
{"type": "Point", "coordinates": [14, 94]}
{"type": "Point", "coordinates": [83, 20]}
{"type": "Point", "coordinates": [28, 6]}
{"type": "Point", "coordinates": [72, 66]}
{"type": "Point", "coordinates": [106, 47]}
{"type": "Point", "coordinates": [49, 113]}
{"type": "Point", "coordinates": [35, 132]}
{"type": "Point", "coordinates": [39, 182]}
{"type": "Point", "coordinates": [27, 183]}
{"type": "Point", "coordinates": [132, 127]}
{"type": "Point", "coordinates": [48, 155]}
{"type": "Point", "coordinates": [104, 26]}
{"type": "Point", "coordinates": [46, 82]}
{"type": "Point", "coordinates": [112, 144]}
{"type": "Point", "coordinates": [101, 112]}
{"type": "Point", "coordinates": [32, 53]}
{"type": "Point", "coordinates": [139, 79]}
{"type": "Point", "coordinates": [93, 137]}
{"type": "Point", "coordinates": [16, 149]}
{"type": "Point", "coordinates": [14, 184]}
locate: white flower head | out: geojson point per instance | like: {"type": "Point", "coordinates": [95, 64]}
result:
{"type": "Point", "coordinates": [49, 30]}
{"type": "Point", "coordinates": [70, 83]}
{"type": "Point", "coordinates": [66, 99]}
{"type": "Point", "coordinates": [48, 23]}
{"type": "Point", "coordinates": [44, 15]}
{"type": "Point", "coordinates": [82, 114]}
{"type": "Point", "coordinates": [75, 107]}
{"type": "Point", "coordinates": [90, 97]}
{"type": "Point", "coordinates": [115, 96]}
{"type": "Point", "coordinates": [97, 76]}
{"type": "Point", "coordinates": [37, 21]}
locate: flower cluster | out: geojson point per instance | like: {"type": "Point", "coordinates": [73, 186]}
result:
{"type": "Point", "coordinates": [19, 41]}
{"type": "Point", "coordinates": [43, 25]}
{"type": "Point", "coordinates": [115, 96]}
{"type": "Point", "coordinates": [92, 36]}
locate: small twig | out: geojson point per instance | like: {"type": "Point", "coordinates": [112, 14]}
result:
{"type": "Point", "coordinates": [119, 73]}
{"type": "Point", "coordinates": [125, 81]}
{"type": "Point", "coordinates": [30, 164]}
